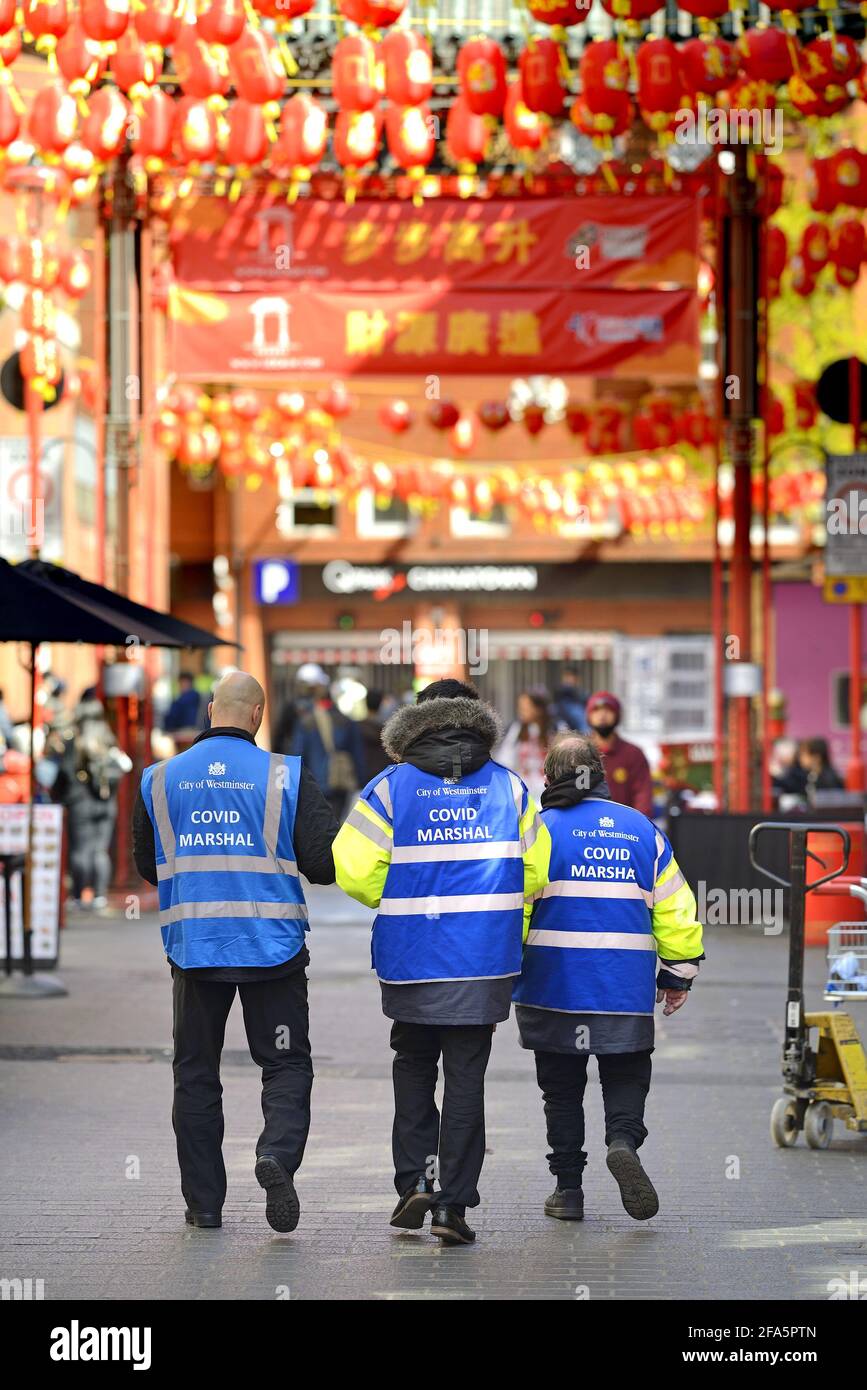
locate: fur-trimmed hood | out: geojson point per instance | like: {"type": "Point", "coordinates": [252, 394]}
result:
{"type": "Point", "coordinates": [413, 722]}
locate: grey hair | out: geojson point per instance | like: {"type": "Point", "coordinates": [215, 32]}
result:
{"type": "Point", "coordinates": [574, 755]}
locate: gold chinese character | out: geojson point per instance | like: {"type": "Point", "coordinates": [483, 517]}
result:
{"type": "Point", "coordinates": [365, 333]}
{"type": "Point", "coordinates": [468, 331]}
{"type": "Point", "coordinates": [513, 239]}
{"type": "Point", "coordinates": [412, 242]}
{"type": "Point", "coordinates": [518, 333]}
{"type": "Point", "coordinates": [362, 241]}
{"type": "Point", "coordinates": [416, 332]}
{"type": "Point", "coordinates": [464, 242]}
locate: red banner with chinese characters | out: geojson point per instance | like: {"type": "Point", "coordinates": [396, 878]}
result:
{"type": "Point", "coordinates": [229, 335]}
{"type": "Point", "coordinates": [550, 243]}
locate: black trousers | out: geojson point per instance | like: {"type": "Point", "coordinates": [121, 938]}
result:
{"type": "Point", "coordinates": [625, 1079]}
{"type": "Point", "coordinates": [91, 827]}
{"type": "Point", "coordinates": [276, 1021]}
{"type": "Point", "coordinates": [425, 1144]}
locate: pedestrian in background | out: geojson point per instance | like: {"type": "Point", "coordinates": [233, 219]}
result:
{"type": "Point", "coordinates": [616, 901]}
{"type": "Point", "coordinates": [626, 768]}
{"type": "Point", "coordinates": [379, 707]}
{"type": "Point", "coordinates": [814, 759]}
{"type": "Point", "coordinates": [570, 702]}
{"type": "Point", "coordinates": [525, 744]}
{"type": "Point", "coordinates": [184, 717]}
{"type": "Point", "coordinates": [328, 742]}
{"type": "Point", "coordinates": [446, 844]}
{"type": "Point", "coordinates": [224, 829]}
{"type": "Point", "coordinates": [90, 767]}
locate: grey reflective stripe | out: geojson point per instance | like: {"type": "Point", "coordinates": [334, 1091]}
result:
{"type": "Point", "coordinates": [161, 812]}
{"type": "Point", "coordinates": [383, 791]}
{"type": "Point", "coordinates": [180, 912]}
{"type": "Point", "coordinates": [660, 846]}
{"type": "Point", "coordinates": [593, 940]}
{"type": "Point", "coordinates": [227, 864]}
{"type": "Point", "coordinates": [359, 821]}
{"type": "Point", "coordinates": [517, 792]}
{"type": "Point", "coordinates": [273, 803]}
{"type": "Point", "coordinates": [433, 905]}
{"type": "Point", "coordinates": [583, 888]}
{"type": "Point", "coordinates": [665, 890]}
{"type": "Point", "coordinates": [528, 839]}
{"type": "Point", "coordinates": [683, 969]}
{"type": "Point", "coordinates": [483, 849]}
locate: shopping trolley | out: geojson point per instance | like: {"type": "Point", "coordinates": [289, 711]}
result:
{"type": "Point", "coordinates": [828, 1081]}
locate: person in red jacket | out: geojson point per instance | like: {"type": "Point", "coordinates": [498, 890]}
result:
{"type": "Point", "coordinates": [626, 768]}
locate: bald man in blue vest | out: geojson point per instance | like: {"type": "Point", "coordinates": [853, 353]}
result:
{"type": "Point", "coordinates": [225, 830]}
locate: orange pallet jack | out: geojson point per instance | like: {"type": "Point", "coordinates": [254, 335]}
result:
{"type": "Point", "coordinates": [825, 1081]}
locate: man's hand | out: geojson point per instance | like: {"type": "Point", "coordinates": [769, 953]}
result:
{"type": "Point", "coordinates": [674, 999]}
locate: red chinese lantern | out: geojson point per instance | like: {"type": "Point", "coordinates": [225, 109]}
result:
{"type": "Point", "coordinates": [396, 416]}
{"type": "Point", "coordinates": [847, 178]}
{"type": "Point", "coordinates": [302, 135]}
{"type": "Point", "coordinates": [105, 127]}
{"type": "Point", "coordinates": [409, 132]}
{"type": "Point", "coordinates": [81, 60]}
{"type": "Point", "coordinates": [291, 405]}
{"type": "Point", "coordinates": [816, 103]}
{"type": "Point", "coordinates": [136, 65]}
{"type": "Point", "coordinates": [202, 69]}
{"type": "Point", "coordinates": [53, 119]}
{"type": "Point", "coordinates": [525, 129]}
{"type": "Point", "coordinates": [561, 14]}
{"type": "Point", "coordinates": [38, 264]}
{"type": "Point", "coordinates": [75, 274]}
{"type": "Point", "coordinates": [7, 15]}
{"type": "Point", "coordinates": [220, 21]}
{"type": "Point", "coordinates": [463, 435]}
{"type": "Point", "coordinates": [494, 415]}
{"type": "Point", "coordinates": [194, 130]}
{"type": "Point", "coordinates": [374, 14]}
{"type": "Point", "coordinates": [443, 415]}
{"type": "Point", "coordinates": [356, 137]}
{"type": "Point", "coordinates": [775, 418]}
{"type": "Point", "coordinates": [577, 419]}
{"type": "Point", "coordinates": [355, 77]}
{"type": "Point", "coordinates": [632, 9]}
{"type": "Point", "coordinates": [533, 419]}
{"type": "Point", "coordinates": [815, 245]}
{"type": "Point", "coordinates": [765, 54]}
{"type": "Point", "coordinates": [661, 85]}
{"type": "Point", "coordinates": [104, 20]}
{"type": "Point", "coordinates": [821, 185]}
{"type": "Point", "coordinates": [604, 73]}
{"type": "Point", "coordinates": [776, 252]}
{"type": "Point", "coordinates": [829, 59]}
{"type": "Point", "coordinates": [705, 9]}
{"type": "Point", "coordinates": [245, 141]}
{"type": "Point", "coordinates": [152, 137]}
{"type": "Point", "coordinates": [541, 68]}
{"type": "Point", "coordinates": [257, 67]}
{"type": "Point", "coordinates": [335, 400]}
{"type": "Point", "coordinates": [408, 68]}
{"type": "Point", "coordinates": [482, 77]}
{"type": "Point", "coordinates": [11, 111]}
{"type": "Point", "coordinates": [46, 20]}
{"type": "Point", "coordinates": [803, 277]}
{"type": "Point", "coordinates": [710, 63]}
{"type": "Point", "coordinates": [467, 135]}
{"type": "Point", "coordinates": [603, 125]}
{"type": "Point", "coordinates": [789, 6]}
{"type": "Point", "coordinates": [158, 21]}
{"type": "Point", "coordinates": [847, 251]}
{"type": "Point", "coordinates": [10, 47]}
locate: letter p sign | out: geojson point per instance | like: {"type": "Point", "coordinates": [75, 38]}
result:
{"type": "Point", "coordinates": [275, 581]}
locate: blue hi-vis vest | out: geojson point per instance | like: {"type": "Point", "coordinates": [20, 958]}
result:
{"type": "Point", "coordinates": [590, 947]}
{"type": "Point", "coordinates": [452, 905]}
{"type": "Point", "coordinates": [223, 814]}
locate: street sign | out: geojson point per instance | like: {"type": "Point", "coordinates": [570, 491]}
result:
{"type": "Point", "coordinates": [848, 589]}
{"type": "Point", "coordinates": [276, 581]}
{"type": "Point", "coordinates": [846, 516]}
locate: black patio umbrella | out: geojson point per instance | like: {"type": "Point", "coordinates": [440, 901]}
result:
{"type": "Point", "coordinates": [135, 615]}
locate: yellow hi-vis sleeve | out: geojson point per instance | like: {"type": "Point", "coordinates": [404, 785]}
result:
{"type": "Point", "coordinates": [536, 853]}
{"type": "Point", "coordinates": [362, 854]}
{"type": "Point", "coordinates": [676, 928]}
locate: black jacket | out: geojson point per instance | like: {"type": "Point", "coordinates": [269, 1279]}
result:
{"type": "Point", "coordinates": [315, 829]}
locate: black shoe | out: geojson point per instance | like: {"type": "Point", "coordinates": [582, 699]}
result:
{"type": "Point", "coordinates": [414, 1205]}
{"type": "Point", "coordinates": [566, 1203]}
{"type": "Point", "coordinates": [282, 1208]}
{"type": "Point", "coordinates": [636, 1190]}
{"type": "Point", "coordinates": [208, 1220]}
{"type": "Point", "coordinates": [451, 1228]}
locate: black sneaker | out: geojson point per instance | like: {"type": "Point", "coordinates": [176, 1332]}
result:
{"type": "Point", "coordinates": [451, 1227]}
{"type": "Point", "coordinates": [282, 1208]}
{"type": "Point", "coordinates": [414, 1205]}
{"type": "Point", "coordinates": [636, 1190]}
{"type": "Point", "coordinates": [566, 1203]}
{"type": "Point", "coordinates": [206, 1220]}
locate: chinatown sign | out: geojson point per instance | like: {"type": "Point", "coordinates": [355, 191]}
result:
{"type": "Point", "coordinates": [217, 336]}
{"type": "Point", "coordinates": [259, 243]}
{"type": "Point", "coordinates": [382, 581]}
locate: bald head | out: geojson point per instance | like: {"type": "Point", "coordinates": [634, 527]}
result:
{"type": "Point", "coordinates": [238, 702]}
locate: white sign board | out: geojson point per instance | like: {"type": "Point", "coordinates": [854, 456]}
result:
{"type": "Point", "coordinates": [846, 514]}
{"type": "Point", "coordinates": [47, 866]}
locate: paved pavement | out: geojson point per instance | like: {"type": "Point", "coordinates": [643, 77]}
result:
{"type": "Point", "coordinates": [89, 1195]}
